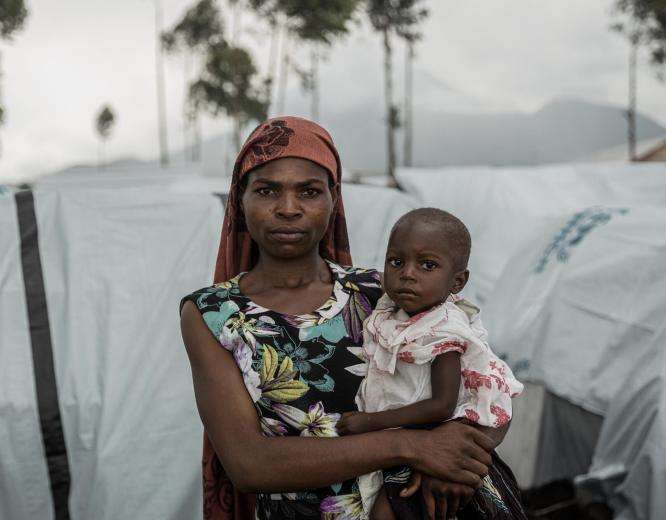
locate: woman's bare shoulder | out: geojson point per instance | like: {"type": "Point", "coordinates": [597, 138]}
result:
{"type": "Point", "coordinates": [202, 347]}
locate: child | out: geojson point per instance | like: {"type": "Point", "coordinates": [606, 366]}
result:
{"type": "Point", "coordinates": [422, 341]}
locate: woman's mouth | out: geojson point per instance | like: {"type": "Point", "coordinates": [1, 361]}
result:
{"type": "Point", "coordinates": [287, 235]}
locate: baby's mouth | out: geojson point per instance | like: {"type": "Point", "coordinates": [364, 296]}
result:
{"type": "Point", "coordinates": [406, 293]}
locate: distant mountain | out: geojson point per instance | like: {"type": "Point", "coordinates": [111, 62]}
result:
{"type": "Point", "coordinates": [564, 130]}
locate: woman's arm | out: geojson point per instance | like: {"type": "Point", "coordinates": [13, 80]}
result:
{"type": "Point", "coordinates": [445, 383]}
{"type": "Point", "coordinates": [278, 464]}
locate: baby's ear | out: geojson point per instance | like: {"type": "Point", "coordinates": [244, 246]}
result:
{"type": "Point", "coordinates": [460, 281]}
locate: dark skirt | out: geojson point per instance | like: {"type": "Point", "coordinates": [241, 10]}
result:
{"type": "Point", "coordinates": [497, 499]}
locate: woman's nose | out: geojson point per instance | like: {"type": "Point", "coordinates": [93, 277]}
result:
{"type": "Point", "coordinates": [288, 206]}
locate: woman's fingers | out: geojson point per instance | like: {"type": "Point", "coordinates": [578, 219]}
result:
{"type": "Point", "coordinates": [467, 478]}
{"type": "Point", "coordinates": [412, 486]}
{"type": "Point", "coordinates": [453, 504]}
{"type": "Point", "coordinates": [475, 451]}
{"type": "Point", "coordinates": [482, 440]}
{"type": "Point", "coordinates": [430, 505]}
{"type": "Point", "coordinates": [442, 508]}
{"type": "Point", "coordinates": [475, 467]}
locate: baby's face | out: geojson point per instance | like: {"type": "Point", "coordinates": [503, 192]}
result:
{"type": "Point", "coordinates": [418, 273]}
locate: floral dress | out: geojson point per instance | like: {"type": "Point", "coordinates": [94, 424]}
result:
{"type": "Point", "coordinates": [302, 373]}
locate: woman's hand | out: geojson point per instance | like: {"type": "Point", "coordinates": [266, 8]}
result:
{"type": "Point", "coordinates": [353, 423]}
{"type": "Point", "coordinates": [454, 452]}
{"type": "Point", "coordinates": [440, 499]}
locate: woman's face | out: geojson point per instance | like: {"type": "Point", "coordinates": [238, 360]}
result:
{"type": "Point", "coordinates": [287, 205]}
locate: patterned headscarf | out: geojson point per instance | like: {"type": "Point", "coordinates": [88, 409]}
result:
{"type": "Point", "coordinates": [273, 139]}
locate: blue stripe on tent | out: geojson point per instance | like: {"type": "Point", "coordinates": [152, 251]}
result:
{"type": "Point", "coordinates": [50, 422]}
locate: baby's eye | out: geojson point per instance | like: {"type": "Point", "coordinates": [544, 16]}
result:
{"type": "Point", "coordinates": [395, 262]}
{"type": "Point", "coordinates": [429, 265]}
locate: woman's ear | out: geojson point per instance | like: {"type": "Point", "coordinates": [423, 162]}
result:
{"type": "Point", "coordinates": [460, 281]}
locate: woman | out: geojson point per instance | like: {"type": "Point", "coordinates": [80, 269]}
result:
{"type": "Point", "coordinates": [287, 311]}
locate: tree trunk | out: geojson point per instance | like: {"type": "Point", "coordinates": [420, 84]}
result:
{"type": "Point", "coordinates": [101, 154]}
{"type": "Point", "coordinates": [272, 62]}
{"type": "Point", "coordinates": [284, 73]}
{"type": "Point", "coordinates": [409, 100]}
{"type": "Point", "coordinates": [236, 31]}
{"type": "Point", "coordinates": [161, 98]}
{"type": "Point", "coordinates": [631, 109]}
{"type": "Point", "coordinates": [314, 77]}
{"type": "Point", "coordinates": [390, 109]}
{"type": "Point", "coordinates": [2, 108]}
{"type": "Point", "coordinates": [187, 109]}
{"type": "Point", "coordinates": [196, 136]}
{"type": "Point", "coordinates": [192, 115]}
{"type": "Point", "coordinates": [237, 132]}
{"type": "Point", "coordinates": [236, 21]}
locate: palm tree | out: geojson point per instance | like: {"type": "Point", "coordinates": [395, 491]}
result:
{"type": "Point", "coordinates": [317, 24]}
{"type": "Point", "coordinates": [645, 26]}
{"type": "Point", "coordinates": [393, 17]}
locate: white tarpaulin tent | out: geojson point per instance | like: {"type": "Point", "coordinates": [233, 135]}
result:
{"type": "Point", "coordinates": [116, 250]}
{"type": "Point", "coordinates": [579, 310]}
{"type": "Point", "coordinates": [104, 261]}
{"type": "Point", "coordinates": [578, 305]}
{"type": "Point", "coordinates": [629, 468]}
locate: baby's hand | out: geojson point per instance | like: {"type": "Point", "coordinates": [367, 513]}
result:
{"type": "Point", "coordinates": [355, 422]}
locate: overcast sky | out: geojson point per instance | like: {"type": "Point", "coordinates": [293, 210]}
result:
{"type": "Point", "coordinates": [75, 55]}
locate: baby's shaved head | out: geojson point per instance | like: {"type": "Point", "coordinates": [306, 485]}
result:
{"type": "Point", "coordinates": [451, 229]}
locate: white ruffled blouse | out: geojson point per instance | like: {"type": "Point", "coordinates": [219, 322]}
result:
{"type": "Point", "coordinates": [399, 349]}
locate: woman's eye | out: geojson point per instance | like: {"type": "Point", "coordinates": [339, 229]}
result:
{"type": "Point", "coordinates": [264, 192]}
{"type": "Point", "coordinates": [429, 265]}
{"type": "Point", "coordinates": [395, 262]}
{"type": "Point", "coordinates": [310, 193]}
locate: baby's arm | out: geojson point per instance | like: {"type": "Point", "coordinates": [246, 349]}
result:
{"type": "Point", "coordinates": [445, 381]}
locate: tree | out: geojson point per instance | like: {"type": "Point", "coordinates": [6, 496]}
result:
{"type": "Point", "coordinates": [314, 22]}
{"type": "Point", "coordinates": [227, 82]}
{"type": "Point", "coordinates": [199, 28]}
{"type": "Point", "coordinates": [13, 14]}
{"type": "Point", "coordinates": [400, 18]}
{"type": "Point", "coordinates": [227, 86]}
{"type": "Point", "coordinates": [104, 123]}
{"type": "Point", "coordinates": [645, 25]}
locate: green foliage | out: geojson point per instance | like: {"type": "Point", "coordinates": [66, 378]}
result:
{"type": "Point", "coordinates": [104, 122]}
{"type": "Point", "coordinates": [12, 17]}
{"type": "Point", "coordinates": [226, 85]}
{"type": "Point", "coordinates": [310, 20]}
{"type": "Point", "coordinates": [399, 16]}
{"type": "Point", "coordinates": [646, 25]}
{"type": "Point", "coordinates": [200, 26]}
